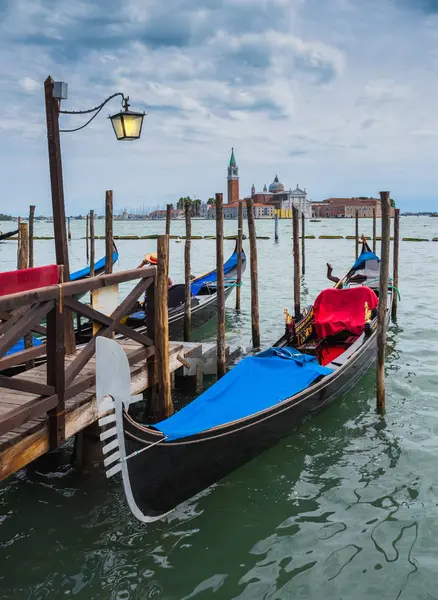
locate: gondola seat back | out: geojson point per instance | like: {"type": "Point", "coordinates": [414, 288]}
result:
{"type": "Point", "coordinates": [339, 310]}
{"type": "Point", "coordinates": [24, 280]}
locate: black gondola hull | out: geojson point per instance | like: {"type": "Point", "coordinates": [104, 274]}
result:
{"type": "Point", "coordinates": [170, 473]}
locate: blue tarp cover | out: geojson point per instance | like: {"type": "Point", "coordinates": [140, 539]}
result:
{"type": "Point", "coordinates": [19, 346]}
{"type": "Point", "coordinates": [97, 267]}
{"type": "Point", "coordinates": [360, 261]}
{"type": "Point", "coordinates": [210, 277]}
{"type": "Point", "coordinates": [256, 383]}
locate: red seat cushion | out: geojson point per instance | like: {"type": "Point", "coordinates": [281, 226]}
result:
{"type": "Point", "coordinates": [342, 310]}
{"type": "Point", "coordinates": [27, 279]}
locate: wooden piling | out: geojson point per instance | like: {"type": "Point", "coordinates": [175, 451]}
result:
{"type": "Point", "coordinates": [92, 246]}
{"type": "Point", "coordinates": [87, 235]}
{"type": "Point", "coordinates": [374, 230]}
{"type": "Point", "coordinates": [31, 228]}
{"type": "Point", "coordinates": [187, 279]}
{"type": "Point", "coordinates": [255, 325]}
{"type": "Point", "coordinates": [239, 253]}
{"type": "Point", "coordinates": [276, 227]}
{"type": "Point", "coordinates": [296, 255]}
{"type": "Point", "coordinates": [220, 286]}
{"type": "Point", "coordinates": [168, 218]}
{"type": "Point", "coordinates": [395, 263]}
{"type": "Point", "coordinates": [383, 299]}
{"type": "Point", "coordinates": [23, 253]}
{"type": "Point", "coordinates": [109, 245]}
{"type": "Point", "coordinates": [18, 240]}
{"type": "Point", "coordinates": [69, 228]}
{"type": "Point", "coordinates": [303, 244]}
{"type": "Point", "coordinates": [162, 327]}
{"type": "Point", "coordinates": [357, 233]}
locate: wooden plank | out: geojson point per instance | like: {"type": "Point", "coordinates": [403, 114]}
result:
{"type": "Point", "coordinates": [26, 385]}
{"type": "Point", "coordinates": [24, 325]}
{"type": "Point", "coordinates": [6, 316]}
{"type": "Point", "coordinates": [19, 415]}
{"type": "Point", "coordinates": [20, 357]}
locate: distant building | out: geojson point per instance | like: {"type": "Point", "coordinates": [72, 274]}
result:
{"type": "Point", "coordinates": [231, 211]}
{"type": "Point", "coordinates": [283, 200]}
{"type": "Point", "coordinates": [338, 208]}
{"type": "Point", "coordinates": [233, 179]}
{"type": "Point", "coordinates": [161, 214]}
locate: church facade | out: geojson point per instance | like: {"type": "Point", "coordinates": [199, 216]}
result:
{"type": "Point", "coordinates": [283, 200]}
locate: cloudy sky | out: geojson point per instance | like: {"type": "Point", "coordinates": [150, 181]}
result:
{"type": "Point", "coordinates": [338, 96]}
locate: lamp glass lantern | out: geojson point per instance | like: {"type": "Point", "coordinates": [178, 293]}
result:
{"type": "Point", "coordinates": [127, 124]}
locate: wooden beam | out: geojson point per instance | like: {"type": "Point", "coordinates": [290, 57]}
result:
{"type": "Point", "coordinates": [56, 374]}
{"type": "Point", "coordinates": [220, 287]}
{"type": "Point", "coordinates": [187, 279]}
{"type": "Point", "coordinates": [296, 255]}
{"type": "Point", "coordinates": [24, 413]}
{"type": "Point", "coordinates": [26, 385]}
{"type": "Point", "coordinates": [162, 328]}
{"type": "Point", "coordinates": [239, 254]}
{"type": "Point", "coordinates": [21, 357]}
{"type": "Point", "coordinates": [395, 262]}
{"type": "Point", "coordinates": [255, 325]}
{"type": "Point", "coordinates": [109, 244]}
{"type": "Point", "coordinates": [383, 299]}
{"type": "Point", "coordinates": [24, 325]}
{"type": "Point", "coordinates": [31, 229]}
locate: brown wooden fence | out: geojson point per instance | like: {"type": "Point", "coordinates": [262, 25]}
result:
{"type": "Point", "coordinates": [23, 313]}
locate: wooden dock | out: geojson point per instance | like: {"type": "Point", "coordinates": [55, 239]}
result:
{"type": "Point", "coordinates": [43, 406]}
{"type": "Point", "coordinates": [24, 444]}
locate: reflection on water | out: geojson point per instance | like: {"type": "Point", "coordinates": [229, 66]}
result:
{"type": "Point", "coordinates": [346, 507]}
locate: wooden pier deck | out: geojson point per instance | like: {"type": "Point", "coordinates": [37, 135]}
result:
{"type": "Point", "coordinates": [24, 444]}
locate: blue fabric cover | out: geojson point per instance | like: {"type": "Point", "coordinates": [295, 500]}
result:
{"type": "Point", "coordinates": [256, 383]}
{"type": "Point", "coordinates": [98, 266]}
{"type": "Point", "coordinates": [210, 277]}
{"type": "Point", "coordinates": [19, 346]}
{"type": "Point", "coordinates": [360, 261]}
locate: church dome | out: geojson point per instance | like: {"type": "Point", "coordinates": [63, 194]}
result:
{"type": "Point", "coordinates": [276, 186]}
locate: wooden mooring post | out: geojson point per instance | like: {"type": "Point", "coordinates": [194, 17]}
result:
{"type": "Point", "coordinates": [31, 228]}
{"type": "Point", "coordinates": [239, 253]}
{"type": "Point", "coordinates": [23, 251]}
{"type": "Point", "coordinates": [109, 245]}
{"type": "Point", "coordinates": [296, 256]}
{"type": "Point", "coordinates": [383, 300]}
{"type": "Point", "coordinates": [168, 218]}
{"type": "Point", "coordinates": [255, 324]}
{"type": "Point", "coordinates": [187, 279]}
{"type": "Point", "coordinates": [69, 228]}
{"type": "Point", "coordinates": [276, 227]}
{"type": "Point", "coordinates": [162, 327]}
{"type": "Point", "coordinates": [374, 230]}
{"type": "Point", "coordinates": [303, 243]}
{"type": "Point", "coordinates": [87, 235]}
{"type": "Point", "coordinates": [220, 286]}
{"type": "Point", "coordinates": [356, 237]}
{"type": "Point", "coordinates": [18, 240]}
{"type": "Point", "coordinates": [395, 262]}
{"type": "Point", "coordinates": [92, 244]}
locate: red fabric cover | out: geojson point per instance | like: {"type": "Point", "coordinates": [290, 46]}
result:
{"type": "Point", "coordinates": [27, 279]}
{"type": "Point", "coordinates": [339, 310]}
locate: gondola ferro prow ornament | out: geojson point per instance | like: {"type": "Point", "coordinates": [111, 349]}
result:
{"type": "Point", "coordinates": [113, 395]}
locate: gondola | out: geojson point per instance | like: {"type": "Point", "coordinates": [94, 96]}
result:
{"type": "Point", "coordinates": [204, 299]}
{"type": "Point", "coordinates": [8, 234]}
{"type": "Point", "coordinates": [260, 401]}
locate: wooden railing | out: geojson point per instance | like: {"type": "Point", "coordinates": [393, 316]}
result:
{"type": "Point", "coordinates": [23, 312]}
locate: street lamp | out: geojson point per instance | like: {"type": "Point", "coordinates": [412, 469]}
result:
{"type": "Point", "coordinates": [127, 125]}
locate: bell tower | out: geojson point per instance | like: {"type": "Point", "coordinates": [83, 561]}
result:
{"type": "Point", "coordinates": [233, 179]}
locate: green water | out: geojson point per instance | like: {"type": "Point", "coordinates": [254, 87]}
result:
{"type": "Point", "coordinates": [345, 508]}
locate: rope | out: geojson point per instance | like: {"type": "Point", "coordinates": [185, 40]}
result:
{"type": "Point", "coordinates": [124, 459]}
